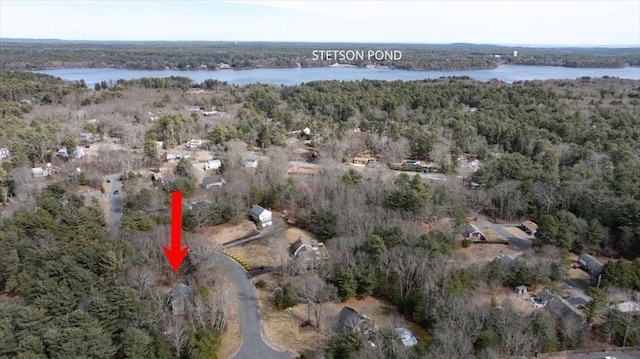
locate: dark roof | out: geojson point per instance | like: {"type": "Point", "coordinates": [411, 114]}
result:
{"type": "Point", "coordinates": [256, 210]}
{"type": "Point", "coordinates": [565, 311]}
{"type": "Point", "coordinates": [590, 264]}
{"type": "Point", "coordinates": [350, 318]}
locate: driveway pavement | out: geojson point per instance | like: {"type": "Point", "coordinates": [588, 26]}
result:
{"type": "Point", "coordinates": [115, 201]}
{"type": "Point", "coordinates": [253, 346]}
{"type": "Point", "coordinates": [520, 244]}
{"type": "Point", "coordinates": [626, 355]}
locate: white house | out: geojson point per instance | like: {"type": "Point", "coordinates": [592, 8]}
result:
{"type": "Point", "coordinates": [62, 152]}
{"type": "Point", "coordinates": [263, 215]}
{"type": "Point", "coordinates": [79, 152]}
{"type": "Point", "coordinates": [4, 153]}
{"type": "Point", "coordinates": [42, 171]}
{"type": "Point", "coordinates": [251, 163]}
{"type": "Point", "coordinates": [212, 164]}
{"type": "Point", "coordinates": [194, 143]}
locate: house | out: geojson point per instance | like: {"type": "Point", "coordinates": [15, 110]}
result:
{"type": "Point", "coordinates": [589, 264]}
{"type": "Point", "coordinates": [179, 298]}
{"type": "Point", "coordinates": [212, 113]}
{"type": "Point", "coordinates": [565, 312]}
{"type": "Point", "coordinates": [301, 171]}
{"type": "Point", "coordinates": [521, 289]}
{"type": "Point", "coordinates": [162, 178]}
{"type": "Point", "coordinates": [406, 336]}
{"type": "Point", "coordinates": [261, 215]}
{"type": "Point", "coordinates": [38, 172]}
{"type": "Point", "coordinates": [63, 153]}
{"type": "Point", "coordinates": [212, 164]}
{"type": "Point", "coordinates": [251, 162]}
{"type": "Point", "coordinates": [87, 137]}
{"type": "Point", "coordinates": [350, 319]}
{"type": "Point", "coordinates": [175, 156]}
{"type": "Point", "coordinates": [471, 231]}
{"type": "Point", "coordinates": [308, 251]}
{"type": "Point", "coordinates": [412, 163]}
{"type": "Point", "coordinates": [359, 160]}
{"type": "Point", "coordinates": [194, 143]}
{"type": "Point", "coordinates": [528, 227]}
{"type": "Point", "coordinates": [626, 307]}
{"type": "Point", "coordinates": [4, 153]}
{"type": "Point", "coordinates": [210, 182]}
{"type": "Point", "coordinates": [192, 108]}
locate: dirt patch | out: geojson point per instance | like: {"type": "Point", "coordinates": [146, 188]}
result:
{"type": "Point", "coordinates": [293, 233]}
{"type": "Point", "coordinates": [491, 235]}
{"type": "Point", "coordinates": [227, 232]}
{"type": "Point", "coordinates": [517, 232]}
{"type": "Point", "coordinates": [262, 252]}
{"type": "Point", "coordinates": [521, 302]}
{"type": "Point", "coordinates": [479, 253]}
{"type": "Point", "coordinates": [282, 327]}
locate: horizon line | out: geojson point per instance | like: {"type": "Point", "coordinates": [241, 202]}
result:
{"type": "Point", "coordinates": [330, 42]}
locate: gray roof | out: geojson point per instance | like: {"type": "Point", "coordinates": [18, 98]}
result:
{"type": "Point", "coordinates": [565, 311]}
{"type": "Point", "coordinates": [256, 210]}
{"type": "Point", "coordinates": [591, 265]}
{"type": "Point", "coordinates": [350, 318]}
{"type": "Point", "coordinates": [212, 180]}
{"type": "Point", "coordinates": [301, 242]}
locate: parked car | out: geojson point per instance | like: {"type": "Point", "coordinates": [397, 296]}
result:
{"type": "Point", "coordinates": [116, 192]}
{"type": "Point", "coordinates": [108, 181]}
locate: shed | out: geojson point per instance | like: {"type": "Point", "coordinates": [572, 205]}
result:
{"type": "Point", "coordinates": [521, 289]}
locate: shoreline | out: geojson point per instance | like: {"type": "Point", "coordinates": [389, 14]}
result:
{"type": "Point", "coordinates": [369, 66]}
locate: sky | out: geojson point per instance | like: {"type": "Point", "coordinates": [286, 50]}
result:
{"type": "Point", "coordinates": [515, 22]}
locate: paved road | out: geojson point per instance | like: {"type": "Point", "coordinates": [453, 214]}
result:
{"type": "Point", "coordinates": [253, 346]}
{"type": "Point", "coordinates": [627, 355]}
{"type": "Point", "coordinates": [115, 202]}
{"type": "Point", "coordinates": [520, 244]}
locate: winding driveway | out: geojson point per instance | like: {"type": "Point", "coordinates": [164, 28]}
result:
{"type": "Point", "coordinates": [253, 345]}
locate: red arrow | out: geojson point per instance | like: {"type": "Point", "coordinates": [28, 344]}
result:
{"type": "Point", "coordinates": [175, 254]}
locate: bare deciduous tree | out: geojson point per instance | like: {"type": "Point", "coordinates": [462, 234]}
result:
{"type": "Point", "coordinates": [178, 333]}
{"type": "Point", "coordinates": [314, 291]}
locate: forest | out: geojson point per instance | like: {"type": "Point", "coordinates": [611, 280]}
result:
{"type": "Point", "coordinates": [564, 153]}
{"type": "Point", "coordinates": [45, 54]}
